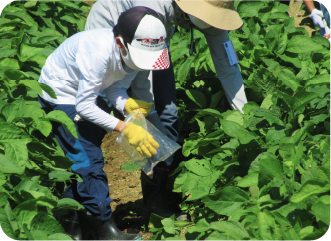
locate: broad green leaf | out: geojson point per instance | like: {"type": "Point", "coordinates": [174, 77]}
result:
{"type": "Point", "coordinates": [22, 15]}
{"type": "Point", "coordinates": [17, 151]}
{"type": "Point", "coordinates": [39, 58]}
{"type": "Point", "coordinates": [288, 78]}
{"type": "Point", "coordinates": [69, 4]}
{"type": "Point", "coordinates": [306, 231]}
{"type": "Point", "coordinates": [9, 131]}
{"type": "Point", "coordinates": [226, 201]}
{"type": "Point", "coordinates": [267, 102]}
{"type": "Point", "coordinates": [249, 9]}
{"type": "Point", "coordinates": [28, 195]}
{"type": "Point", "coordinates": [280, 219]}
{"type": "Point", "coordinates": [39, 234]}
{"type": "Point", "coordinates": [185, 185]}
{"type": "Point", "coordinates": [63, 25]}
{"type": "Point", "coordinates": [232, 228]}
{"type": "Point", "coordinates": [302, 98]}
{"type": "Point", "coordinates": [60, 176]}
{"type": "Point", "coordinates": [33, 84]}
{"type": "Point", "coordinates": [289, 100]}
{"type": "Point", "coordinates": [43, 221]}
{"type": "Point", "coordinates": [6, 225]}
{"type": "Point", "coordinates": [319, 118]}
{"type": "Point", "coordinates": [268, 115]}
{"type": "Point", "coordinates": [310, 187]}
{"type": "Point", "coordinates": [292, 60]}
{"type": "Point", "coordinates": [48, 32]}
{"type": "Point", "coordinates": [130, 167]}
{"type": "Point", "coordinates": [316, 234]}
{"type": "Point", "coordinates": [207, 112]}
{"type": "Point", "coordinates": [59, 236]}
{"type": "Point", "coordinates": [5, 53]}
{"type": "Point", "coordinates": [200, 167]}
{"type": "Point", "coordinates": [61, 117]}
{"type": "Point", "coordinates": [197, 97]}
{"type": "Point", "coordinates": [202, 126]}
{"type": "Point", "coordinates": [269, 168]}
{"type": "Point", "coordinates": [321, 209]}
{"type": "Point", "coordinates": [188, 146]}
{"type": "Point", "coordinates": [29, 50]}
{"type": "Point", "coordinates": [250, 179]}
{"type": "Point", "coordinates": [43, 125]}
{"type": "Point", "coordinates": [47, 39]}
{"type": "Point", "coordinates": [11, 63]}
{"type": "Point", "coordinates": [48, 90]}
{"type": "Point", "coordinates": [233, 129]}
{"type": "Point", "coordinates": [184, 70]}
{"type": "Point", "coordinates": [302, 44]}
{"type": "Point", "coordinates": [236, 116]}
{"type": "Point", "coordinates": [249, 106]}
{"type": "Point", "coordinates": [282, 41]}
{"type": "Point", "coordinates": [25, 212]}
{"type": "Point", "coordinates": [68, 203]}
{"type": "Point", "coordinates": [168, 225]}
{"type": "Point", "coordinates": [62, 162]}
{"type": "Point", "coordinates": [266, 202]}
{"type": "Point", "coordinates": [267, 226]}
{"type": "Point", "coordinates": [278, 15]}
{"type": "Point", "coordinates": [30, 4]}
{"type": "Point", "coordinates": [217, 236]}
{"type": "Point", "coordinates": [198, 186]}
{"type": "Point", "coordinates": [318, 80]}
{"type": "Point", "coordinates": [308, 70]}
{"type": "Point", "coordinates": [178, 53]}
{"type": "Point", "coordinates": [215, 98]}
{"type": "Point", "coordinates": [10, 111]}
{"type": "Point", "coordinates": [9, 166]}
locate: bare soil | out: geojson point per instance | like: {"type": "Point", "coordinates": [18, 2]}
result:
{"type": "Point", "coordinates": [124, 188]}
{"type": "Point", "coordinates": [301, 17]}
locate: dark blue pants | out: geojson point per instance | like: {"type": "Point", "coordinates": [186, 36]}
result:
{"type": "Point", "coordinates": [93, 192]}
{"type": "Point", "coordinates": [164, 88]}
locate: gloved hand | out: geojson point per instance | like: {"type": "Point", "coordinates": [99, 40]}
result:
{"type": "Point", "coordinates": [317, 17]}
{"type": "Point", "coordinates": [132, 105]}
{"type": "Point", "coordinates": [141, 140]}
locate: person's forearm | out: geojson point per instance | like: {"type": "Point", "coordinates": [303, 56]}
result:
{"type": "Point", "coordinates": [309, 4]}
{"type": "Point", "coordinates": [120, 126]}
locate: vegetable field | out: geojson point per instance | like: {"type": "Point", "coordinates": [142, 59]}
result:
{"type": "Point", "coordinates": [263, 174]}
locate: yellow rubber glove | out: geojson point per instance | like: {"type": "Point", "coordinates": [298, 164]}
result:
{"type": "Point", "coordinates": [141, 140]}
{"type": "Point", "coordinates": [133, 105]}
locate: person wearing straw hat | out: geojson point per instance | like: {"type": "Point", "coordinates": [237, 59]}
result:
{"type": "Point", "coordinates": [214, 19]}
{"type": "Point", "coordinates": [80, 67]}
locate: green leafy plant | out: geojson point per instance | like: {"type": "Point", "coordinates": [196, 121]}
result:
{"type": "Point", "coordinates": [33, 165]}
{"type": "Point", "coordinates": [263, 174]}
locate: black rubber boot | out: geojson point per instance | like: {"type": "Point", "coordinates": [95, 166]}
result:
{"type": "Point", "coordinates": [154, 193]}
{"type": "Point", "coordinates": [96, 229]}
{"type": "Point", "coordinates": [70, 224]}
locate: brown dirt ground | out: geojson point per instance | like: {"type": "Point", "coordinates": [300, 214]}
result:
{"type": "Point", "coordinates": [125, 187]}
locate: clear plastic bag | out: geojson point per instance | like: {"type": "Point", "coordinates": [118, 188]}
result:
{"type": "Point", "coordinates": [166, 149]}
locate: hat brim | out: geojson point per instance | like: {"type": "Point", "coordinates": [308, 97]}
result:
{"type": "Point", "coordinates": [222, 18]}
{"type": "Point", "coordinates": [150, 60]}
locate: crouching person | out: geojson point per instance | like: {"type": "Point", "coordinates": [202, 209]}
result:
{"type": "Point", "coordinates": [81, 66]}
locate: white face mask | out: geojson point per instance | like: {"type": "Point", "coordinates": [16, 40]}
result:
{"type": "Point", "coordinates": [127, 59]}
{"type": "Point", "coordinates": [199, 23]}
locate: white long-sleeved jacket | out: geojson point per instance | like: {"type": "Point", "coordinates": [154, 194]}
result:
{"type": "Point", "coordinates": [104, 14]}
{"type": "Point", "coordinates": [83, 65]}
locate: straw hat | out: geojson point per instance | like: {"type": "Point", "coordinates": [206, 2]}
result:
{"type": "Point", "coordinates": [217, 13]}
